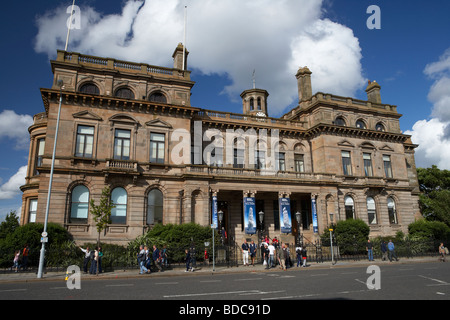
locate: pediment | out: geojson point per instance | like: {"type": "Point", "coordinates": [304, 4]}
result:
{"type": "Point", "coordinates": [123, 118]}
{"type": "Point", "coordinates": [367, 145]}
{"type": "Point", "coordinates": [386, 148]}
{"type": "Point", "coordinates": [345, 143]}
{"type": "Point", "coordinates": [86, 114]}
{"type": "Point", "coordinates": [158, 123]}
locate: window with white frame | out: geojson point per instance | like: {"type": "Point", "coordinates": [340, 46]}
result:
{"type": "Point", "coordinates": [371, 210]}
{"type": "Point", "coordinates": [79, 207]}
{"type": "Point", "coordinates": [119, 199]}
{"type": "Point", "coordinates": [85, 141]}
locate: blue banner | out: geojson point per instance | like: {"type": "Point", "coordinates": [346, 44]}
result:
{"type": "Point", "coordinates": [249, 215]}
{"type": "Point", "coordinates": [285, 215]}
{"type": "Point", "coordinates": [214, 221]}
{"type": "Point", "coordinates": [314, 216]}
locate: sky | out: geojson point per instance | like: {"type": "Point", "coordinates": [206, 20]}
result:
{"type": "Point", "coordinates": [408, 54]}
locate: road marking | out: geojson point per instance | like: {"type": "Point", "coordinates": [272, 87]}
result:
{"type": "Point", "coordinates": [208, 294]}
{"type": "Point", "coordinates": [261, 292]}
{"type": "Point", "coordinates": [292, 297]}
{"type": "Point", "coordinates": [437, 280]}
{"type": "Point", "coordinates": [13, 290]}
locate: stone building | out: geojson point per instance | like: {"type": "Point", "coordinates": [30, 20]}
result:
{"type": "Point", "coordinates": [131, 126]}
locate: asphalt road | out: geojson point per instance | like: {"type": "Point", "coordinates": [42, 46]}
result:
{"type": "Point", "coordinates": [420, 281]}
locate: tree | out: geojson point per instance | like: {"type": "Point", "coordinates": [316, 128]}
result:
{"type": "Point", "coordinates": [102, 213]}
{"type": "Point", "coordinates": [434, 199]}
{"type": "Point", "coordinates": [10, 224]}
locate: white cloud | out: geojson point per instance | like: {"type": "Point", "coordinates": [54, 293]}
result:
{"type": "Point", "coordinates": [227, 37]}
{"type": "Point", "coordinates": [433, 136]}
{"type": "Point", "coordinates": [15, 127]}
{"type": "Point", "coordinates": [11, 188]}
{"type": "Point", "coordinates": [432, 150]}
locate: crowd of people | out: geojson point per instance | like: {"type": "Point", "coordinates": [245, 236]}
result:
{"type": "Point", "coordinates": [156, 257]}
{"type": "Point", "coordinates": [273, 253]}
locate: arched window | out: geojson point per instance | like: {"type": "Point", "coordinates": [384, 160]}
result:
{"type": "Point", "coordinates": [371, 210]}
{"type": "Point", "coordinates": [157, 97]}
{"type": "Point", "coordinates": [155, 207]}
{"type": "Point", "coordinates": [259, 103]}
{"type": "Point", "coordinates": [391, 210]}
{"type": "Point", "coordinates": [124, 93]}
{"type": "Point", "coordinates": [119, 199]}
{"type": "Point", "coordinates": [89, 88]}
{"type": "Point", "coordinates": [339, 121]}
{"type": "Point", "coordinates": [379, 127]}
{"type": "Point", "coordinates": [79, 206]}
{"type": "Point", "coordinates": [360, 124]}
{"type": "Point", "coordinates": [349, 208]}
{"type": "Point", "coordinates": [252, 104]}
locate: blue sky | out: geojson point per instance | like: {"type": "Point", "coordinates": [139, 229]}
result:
{"type": "Point", "coordinates": [228, 39]}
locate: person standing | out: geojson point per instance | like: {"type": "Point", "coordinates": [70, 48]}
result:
{"type": "Point", "coordinates": [281, 255]}
{"type": "Point", "coordinates": [99, 259]}
{"type": "Point", "coordinates": [383, 251]}
{"type": "Point", "coordinates": [266, 254]}
{"type": "Point", "coordinates": [25, 253]}
{"type": "Point", "coordinates": [141, 260]}
{"type": "Point", "coordinates": [369, 249]}
{"type": "Point", "coordinates": [245, 250]}
{"type": "Point", "coordinates": [391, 249]}
{"type": "Point", "coordinates": [16, 261]}
{"type": "Point", "coordinates": [94, 258]}
{"type": "Point", "coordinates": [272, 251]}
{"type": "Point", "coordinates": [187, 259]}
{"type": "Point", "coordinates": [156, 258]}
{"type": "Point", "coordinates": [304, 256]}
{"type": "Point", "coordinates": [442, 252]}
{"type": "Point", "coordinates": [87, 258]}
{"type": "Point", "coordinates": [298, 251]}
{"type": "Point", "coordinates": [253, 249]}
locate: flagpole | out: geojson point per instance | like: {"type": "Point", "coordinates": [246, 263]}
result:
{"type": "Point", "coordinates": [184, 41]}
{"type": "Point", "coordinates": [70, 26]}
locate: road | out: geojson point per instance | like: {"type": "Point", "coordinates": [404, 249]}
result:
{"type": "Point", "coordinates": [429, 281]}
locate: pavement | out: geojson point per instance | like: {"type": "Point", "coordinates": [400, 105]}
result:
{"type": "Point", "coordinates": [30, 276]}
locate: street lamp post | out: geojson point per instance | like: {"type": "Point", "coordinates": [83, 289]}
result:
{"type": "Point", "coordinates": [44, 233]}
{"type": "Point", "coordinates": [331, 237]}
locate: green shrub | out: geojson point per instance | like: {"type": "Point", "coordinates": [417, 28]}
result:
{"type": "Point", "coordinates": [429, 229]}
{"type": "Point", "coordinates": [352, 235]}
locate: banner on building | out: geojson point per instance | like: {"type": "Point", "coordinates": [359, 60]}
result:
{"type": "Point", "coordinates": [214, 220]}
{"type": "Point", "coordinates": [314, 216]}
{"type": "Point", "coordinates": [249, 215]}
{"type": "Point", "coordinates": [285, 215]}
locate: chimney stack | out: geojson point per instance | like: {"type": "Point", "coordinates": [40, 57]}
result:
{"type": "Point", "coordinates": [373, 92]}
{"type": "Point", "coordinates": [304, 84]}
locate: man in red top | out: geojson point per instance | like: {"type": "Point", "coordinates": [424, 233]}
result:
{"type": "Point", "coordinates": [25, 254]}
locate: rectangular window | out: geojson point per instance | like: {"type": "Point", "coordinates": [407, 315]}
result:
{"type": "Point", "coordinates": [122, 144]}
{"type": "Point", "coordinates": [281, 164]}
{"type": "Point", "coordinates": [157, 147]}
{"type": "Point", "coordinates": [32, 210]}
{"type": "Point", "coordinates": [85, 142]}
{"type": "Point", "coordinates": [346, 163]}
{"type": "Point", "coordinates": [39, 154]}
{"type": "Point", "coordinates": [238, 158]}
{"type": "Point", "coordinates": [368, 171]}
{"type": "Point", "coordinates": [299, 163]}
{"type": "Point", "coordinates": [260, 159]}
{"type": "Point", "coordinates": [387, 166]}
